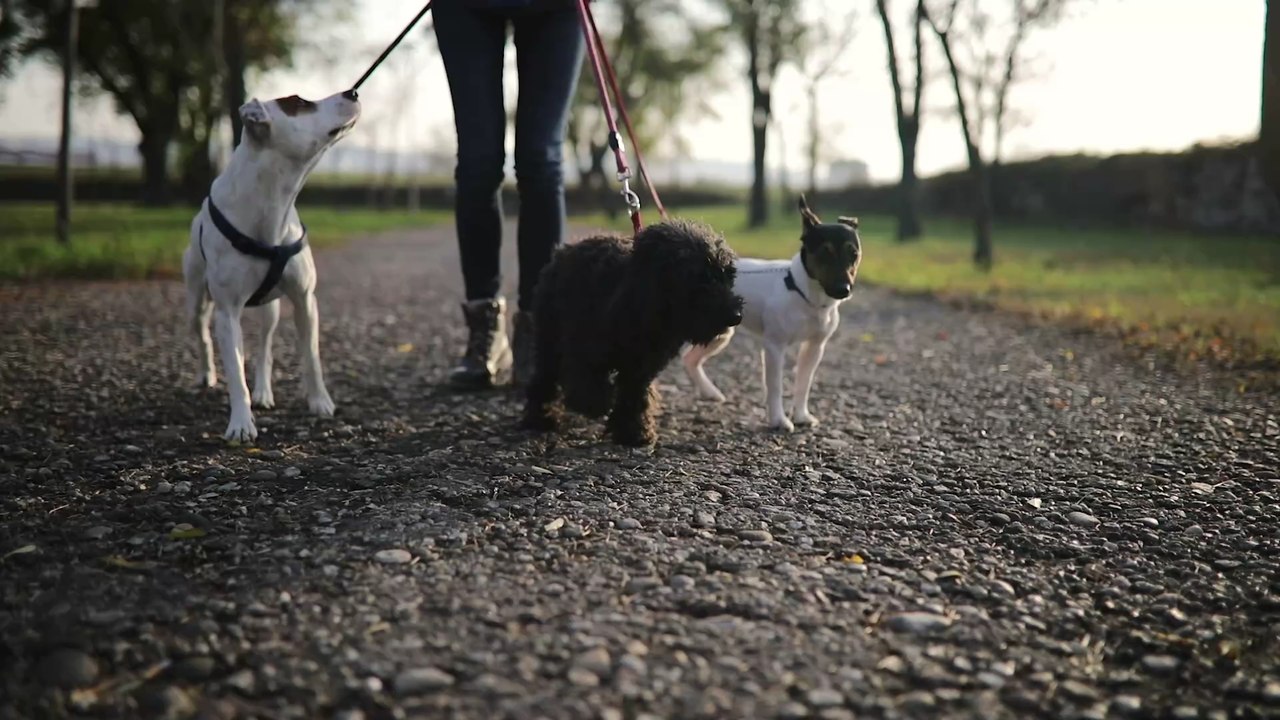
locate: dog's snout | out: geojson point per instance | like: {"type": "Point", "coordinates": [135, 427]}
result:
{"type": "Point", "coordinates": [842, 291]}
{"type": "Point", "coordinates": [735, 317]}
{"type": "Point", "coordinates": [351, 95]}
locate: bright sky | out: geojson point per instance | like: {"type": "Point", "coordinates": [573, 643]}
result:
{"type": "Point", "coordinates": [1121, 75]}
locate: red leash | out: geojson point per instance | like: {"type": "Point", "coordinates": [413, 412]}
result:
{"type": "Point", "coordinates": [595, 50]}
{"type": "Point", "coordinates": [602, 69]}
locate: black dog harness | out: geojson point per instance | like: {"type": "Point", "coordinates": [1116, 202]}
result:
{"type": "Point", "coordinates": [790, 282]}
{"type": "Point", "coordinates": [277, 255]}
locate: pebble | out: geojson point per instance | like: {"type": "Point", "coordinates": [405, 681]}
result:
{"type": "Point", "coordinates": [1193, 531]}
{"type": "Point", "coordinates": [628, 524]}
{"type": "Point", "coordinates": [1185, 712]}
{"type": "Point", "coordinates": [1077, 690]}
{"type": "Point", "coordinates": [134, 449]}
{"type": "Point", "coordinates": [66, 668]}
{"type": "Point", "coordinates": [792, 710]}
{"type": "Point", "coordinates": [166, 703]}
{"type": "Point", "coordinates": [596, 660]}
{"type": "Point", "coordinates": [182, 487]}
{"type": "Point", "coordinates": [1149, 522]}
{"type": "Point", "coordinates": [194, 669]}
{"type": "Point", "coordinates": [272, 454]}
{"type": "Point", "coordinates": [1271, 692]}
{"type": "Point", "coordinates": [262, 476]}
{"type": "Point", "coordinates": [640, 584]}
{"type": "Point", "coordinates": [824, 697]}
{"type": "Point", "coordinates": [682, 583]}
{"type": "Point", "coordinates": [918, 623]}
{"type": "Point", "coordinates": [583, 677]}
{"type": "Point", "coordinates": [704, 519]}
{"type": "Point", "coordinates": [164, 486]}
{"type": "Point", "coordinates": [291, 472]}
{"type": "Point", "coordinates": [421, 680]}
{"type": "Point", "coordinates": [97, 532]}
{"type": "Point", "coordinates": [1160, 664]}
{"type": "Point", "coordinates": [394, 556]}
{"type": "Point", "coordinates": [1075, 517]}
{"type": "Point", "coordinates": [760, 536]}
{"type": "Point", "coordinates": [1126, 705]}
{"type": "Point", "coordinates": [244, 681]}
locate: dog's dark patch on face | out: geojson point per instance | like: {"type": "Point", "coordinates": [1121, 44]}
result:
{"type": "Point", "coordinates": [294, 106]}
{"type": "Point", "coordinates": [830, 252]}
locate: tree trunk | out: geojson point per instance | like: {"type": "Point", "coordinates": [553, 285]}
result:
{"type": "Point", "coordinates": [155, 166]}
{"type": "Point", "coordinates": [909, 225]}
{"type": "Point", "coordinates": [980, 179]}
{"type": "Point", "coordinates": [1269, 135]}
{"type": "Point", "coordinates": [758, 214]}
{"type": "Point", "coordinates": [815, 129]}
{"type": "Point", "coordinates": [234, 58]}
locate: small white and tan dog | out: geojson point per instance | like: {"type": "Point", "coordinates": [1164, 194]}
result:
{"type": "Point", "coordinates": [248, 248]}
{"type": "Point", "coordinates": [788, 302]}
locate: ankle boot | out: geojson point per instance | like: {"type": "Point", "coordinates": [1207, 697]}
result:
{"type": "Point", "coordinates": [488, 352]}
{"type": "Point", "coordinates": [523, 346]}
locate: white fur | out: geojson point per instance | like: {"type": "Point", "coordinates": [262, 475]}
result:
{"type": "Point", "coordinates": [256, 192]}
{"type": "Point", "coordinates": [779, 318]}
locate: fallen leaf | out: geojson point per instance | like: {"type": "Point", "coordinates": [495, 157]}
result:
{"type": "Point", "coordinates": [20, 551]}
{"type": "Point", "coordinates": [404, 347]}
{"type": "Point", "coordinates": [554, 524]}
{"type": "Point", "coordinates": [122, 562]}
{"type": "Point", "coordinates": [1035, 503]}
{"type": "Point", "coordinates": [881, 359]}
{"type": "Point", "coordinates": [868, 337]}
{"type": "Point", "coordinates": [855, 558]}
{"type": "Point", "coordinates": [184, 531]}
{"type": "Point", "coordinates": [252, 451]}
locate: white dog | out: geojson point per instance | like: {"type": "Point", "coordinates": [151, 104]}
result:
{"type": "Point", "coordinates": [787, 302]}
{"type": "Point", "coordinates": [248, 248]}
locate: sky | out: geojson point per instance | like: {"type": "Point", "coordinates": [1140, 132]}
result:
{"type": "Point", "coordinates": [1117, 75]}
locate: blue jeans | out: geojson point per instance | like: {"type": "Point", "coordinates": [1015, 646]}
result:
{"type": "Point", "coordinates": [549, 51]}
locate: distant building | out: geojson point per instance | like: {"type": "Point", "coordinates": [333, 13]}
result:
{"type": "Point", "coordinates": [847, 173]}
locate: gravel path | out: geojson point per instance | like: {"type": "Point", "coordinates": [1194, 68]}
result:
{"type": "Point", "coordinates": [994, 520]}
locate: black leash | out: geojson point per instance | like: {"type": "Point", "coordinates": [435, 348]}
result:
{"type": "Point", "coordinates": [391, 47]}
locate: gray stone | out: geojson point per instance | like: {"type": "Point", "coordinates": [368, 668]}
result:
{"type": "Point", "coordinates": [918, 623]}
{"type": "Point", "coordinates": [67, 669]}
{"type": "Point", "coordinates": [1075, 517]}
{"type": "Point", "coordinates": [393, 556]}
{"type": "Point", "coordinates": [417, 681]}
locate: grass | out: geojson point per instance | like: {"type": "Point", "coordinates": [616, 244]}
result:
{"type": "Point", "coordinates": [128, 242]}
{"type": "Point", "coordinates": [1201, 294]}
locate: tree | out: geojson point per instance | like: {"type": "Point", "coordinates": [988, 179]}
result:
{"type": "Point", "coordinates": [909, 224]}
{"type": "Point", "coordinates": [159, 62]}
{"type": "Point", "coordinates": [1269, 132]}
{"type": "Point", "coordinates": [830, 41]}
{"type": "Point", "coordinates": [666, 61]}
{"type": "Point", "coordinates": [981, 81]}
{"type": "Point", "coordinates": [772, 34]}
{"type": "Point", "coordinates": [11, 36]}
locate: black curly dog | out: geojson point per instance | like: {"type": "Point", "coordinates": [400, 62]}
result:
{"type": "Point", "coordinates": [611, 312]}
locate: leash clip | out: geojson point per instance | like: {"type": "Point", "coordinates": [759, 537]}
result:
{"type": "Point", "coordinates": [629, 196]}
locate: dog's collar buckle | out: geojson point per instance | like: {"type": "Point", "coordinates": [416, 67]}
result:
{"type": "Point", "coordinates": [277, 255]}
{"type": "Point", "coordinates": [790, 281]}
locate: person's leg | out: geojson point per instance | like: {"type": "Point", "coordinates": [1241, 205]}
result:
{"type": "Point", "coordinates": [549, 50]}
{"type": "Point", "coordinates": [471, 45]}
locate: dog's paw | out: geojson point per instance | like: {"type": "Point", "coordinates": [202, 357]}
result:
{"type": "Point", "coordinates": [781, 424]}
{"type": "Point", "coordinates": [321, 404]}
{"type": "Point", "coordinates": [265, 399]}
{"type": "Point", "coordinates": [805, 420]}
{"type": "Point", "coordinates": [241, 431]}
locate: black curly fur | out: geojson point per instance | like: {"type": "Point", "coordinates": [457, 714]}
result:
{"type": "Point", "coordinates": [611, 312]}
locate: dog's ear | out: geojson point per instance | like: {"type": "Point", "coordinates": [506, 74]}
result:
{"type": "Point", "coordinates": [256, 119]}
{"type": "Point", "coordinates": [849, 221]}
{"type": "Point", "coordinates": [806, 215]}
